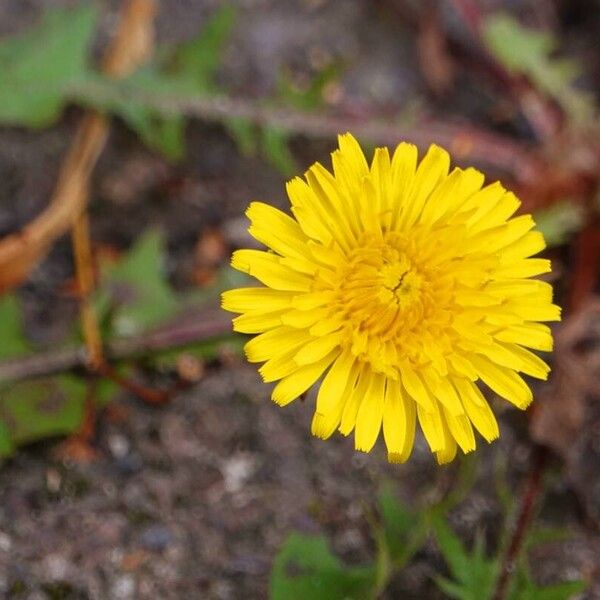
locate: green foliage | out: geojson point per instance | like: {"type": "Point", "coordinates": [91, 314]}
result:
{"type": "Point", "coordinates": [11, 320]}
{"type": "Point", "coordinates": [524, 588]}
{"type": "Point", "coordinates": [473, 574]}
{"type": "Point", "coordinates": [38, 409]}
{"type": "Point", "coordinates": [135, 290]}
{"type": "Point", "coordinates": [305, 568]}
{"type": "Point", "coordinates": [530, 53]}
{"type": "Point", "coordinates": [133, 295]}
{"type": "Point", "coordinates": [404, 529]}
{"type": "Point", "coordinates": [559, 222]}
{"type": "Point", "coordinates": [275, 145]}
{"type": "Point", "coordinates": [309, 97]}
{"type": "Point", "coordinates": [39, 65]}
{"type": "Point", "coordinates": [198, 60]}
{"type": "Point", "coordinates": [34, 410]}
{"type": "Point", "coordinates": [46, 67]}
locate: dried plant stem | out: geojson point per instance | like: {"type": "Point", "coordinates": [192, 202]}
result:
{"type": "Point", "coordinates": [85, 282]}
{"type": "Point", "coordinates": [466, 142]}
{"type": "Point", "coordinates": [20, 251]}
{"type": "Point", "coordinates": [203, 327]}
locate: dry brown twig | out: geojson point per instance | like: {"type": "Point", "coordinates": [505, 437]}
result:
{"type": "Point", "coordinates": [196, 328]}
{"type": "Point", "coordinates": [21, 251]}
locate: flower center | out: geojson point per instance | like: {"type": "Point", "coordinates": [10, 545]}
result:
{"type": "Point", "coordinates": [384, 297]}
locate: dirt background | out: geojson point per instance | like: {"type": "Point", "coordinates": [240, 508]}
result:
{"type": "Point", "coordinates": [193, 500]}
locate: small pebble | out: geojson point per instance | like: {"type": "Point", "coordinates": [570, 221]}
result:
{"type": "Point", "coordinates": [123, 588]}
{"type": "Point", "coordinates": [156, 538]}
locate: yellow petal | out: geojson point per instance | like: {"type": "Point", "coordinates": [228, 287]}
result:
{"type": "Point", "coordinates": [268, 269]}
{"type": "Point", "coordinates": [505, 382]}
{"type": "Point", "coordinates": [460, 429]}
{"type": "Point", "coordinates": [276, 229]}
{"type": "Point", "coordinates": [363, 381]}
{"type": "Point", "coordinates": [294, 385]}
{"type": "Point", "coordinates": [257, 321]}
{"type": "Point", "coordinates": [370, 415]}
{"type": "Point", "coordinates": [255, 298]}
{"type": "Point", "coordinates": [477, 408]}
{"type": "Point", "coordinates": [399, 419]}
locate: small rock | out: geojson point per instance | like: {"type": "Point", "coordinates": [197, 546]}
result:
{"type": "Point", "coordinates": [5, 542]}
{"type": "Point", "coordinates": [123, 588]}
{"type": "Point", "coordinates": [156, 538]}
{"type": "Point", "coordinates": [118, 445]}
{"type": "Point", "coordinates": [236, 471]}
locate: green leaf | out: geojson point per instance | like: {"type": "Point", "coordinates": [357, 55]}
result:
{"type": "Point", "coordinates": [6, 444]}
{"type": "Point", "coordinates": [559, 222]}
{"type": "Point", "coordinates": [305, 569]}
{"type": "Point", "coordinates": [524, 588]}
{"type": "Point", "coordinates": [39, 65]}
{"type": "Point", "coordinates": [198, 60]}
{"type": "Point", "coordinates": [403, 527]}
{"type": "Point", "coordinates": [529, 52]}
{"type": "Point", "coordinates": [34, 410]}
{"type": "Point", "coordinates": [276, 150]}
{"type": "Point", "coordinates": [310, 97]}
{"type": "Point", "coordinates": [244, 134]}
{"type": "Point", "coordinates": [13, 337]}
{"type": "Point", "coordinates": [473, 574]}
{"type": "Point", "coordinates": [137, 289]}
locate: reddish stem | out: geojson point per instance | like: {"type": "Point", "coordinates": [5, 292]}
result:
{"type": "Point", "coordinates": [527, 505]}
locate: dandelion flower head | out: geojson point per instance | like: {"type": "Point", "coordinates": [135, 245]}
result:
{"type": "Point", "coordinates": [402, 286]}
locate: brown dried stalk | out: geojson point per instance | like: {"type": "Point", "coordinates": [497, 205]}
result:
{"type": "Point", "coordinates": [21, 251]}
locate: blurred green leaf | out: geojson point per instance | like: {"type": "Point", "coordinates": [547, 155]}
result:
{"type": "Point", "coordinates": [529, 52]}
{"type": "Point", "coordinates": [309, 97]}
{"type": "Point", "coordinates": [136, 288]}
{"type": "Point", "coordinates": [275, 146]}
{"type": "Point", "coordinates": [11, 325]}
{"type": "Point", "coordinates": [559, 221]}
{"type": "Point", "coordinates": [404, 529]}
{"type": "Point", "coordinates": [473, 574]}
{"type": "Point", "coordinates": [6, 444]}
{"type": "Point", "coordinates": [544, 535]}
{"type": "Point", "coordinates": [34, 410]}
{"type": "Point", "coordinates": [198, 60]}
{"type": "Point", "coordinates": [39, 65]}
{"type": "Point", "coordinates": [524, 588]}
{"type": "Point", "coordinates": [306, 569]}
{"type": "Point", "coordinates": [244, 134]}
{"type": "Point", "coordinates": [190, 71]}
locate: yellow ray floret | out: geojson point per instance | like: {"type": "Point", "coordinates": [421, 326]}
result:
{"type": "Point", "coordinates": [403, 286]}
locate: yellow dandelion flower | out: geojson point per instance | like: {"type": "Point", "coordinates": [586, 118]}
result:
{"type": "Point", "coordinates": [403, 285]}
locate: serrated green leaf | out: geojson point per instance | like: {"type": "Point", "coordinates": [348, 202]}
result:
{"type": "Point", "coordinates": [34, 410]}
{"type": "Point", "coordinates": [474, 574]}
{"type": "Point", "coordinates": [529, 52]}
{"type": "Point", "coordinates": [137, 289]}
{"type": "Point", "coordinates": [305, 568]}
{"type": "Point", "coordinates": [39, 65]}
{"type": "Point", "coordinates": [13, 337]}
